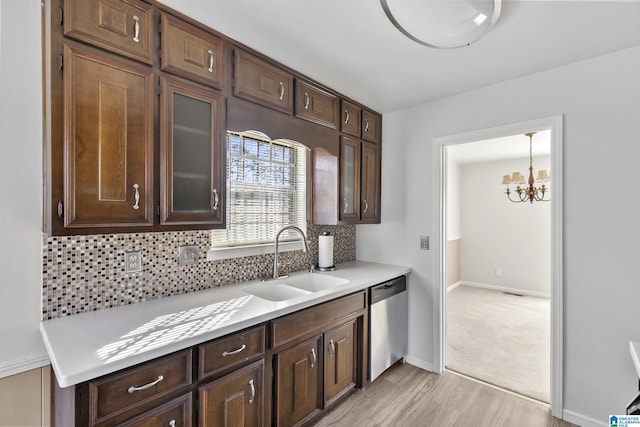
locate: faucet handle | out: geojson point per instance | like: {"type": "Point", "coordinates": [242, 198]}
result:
{"type": "Point", "coordinates": [312, 267]}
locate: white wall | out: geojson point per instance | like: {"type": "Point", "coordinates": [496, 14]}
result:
{"type": "Point", "coordinates": [21, 191]}
{"type": "Point", "coordinates": [453, 200]}
{"type": "Point", "coordinates": [496, 233]}
{"type": "Point", "coordinates": [600, 100]}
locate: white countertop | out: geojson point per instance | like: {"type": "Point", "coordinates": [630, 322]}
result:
{"type": "Point", "coordinates": [89, 345]}
{"type": "Point", "coordinates": [634, 348]}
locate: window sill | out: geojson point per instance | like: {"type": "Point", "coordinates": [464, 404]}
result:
{"type": "Point", "coordinates": [217, 254]}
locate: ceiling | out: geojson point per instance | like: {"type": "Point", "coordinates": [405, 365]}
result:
{"type": "Point", "coordinates": [508, 147]}
{"type": "Point", "coordinates": [350, 46]}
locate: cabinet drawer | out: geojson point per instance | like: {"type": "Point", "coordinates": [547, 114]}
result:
{"type": "Point", "coordinates": [226, 352]}
{"type": "Point", "coordinates": [190, 52]}
{"type": "Point", "coordinates": [316, 105]}
{"type": "Point", "coordinates": [350, 118]}
{"type": "Point", "coordinates": [124, 27]}
{"type": "Point", "coordinates": [120, 392]}
{"type": "Point", "coordinates": [371, 126]}
{"type": "Point", "coordinates": [296, 325]}
{"type": "Point", "coordinates": [175, 413]}
{"type": "Point", "coordinates": [260, 82]}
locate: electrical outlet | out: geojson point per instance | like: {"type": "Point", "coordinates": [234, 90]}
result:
{"type": "Point", "coordinates": [188, 254]}
{"type": "Point", "coordinates": [132, 261]}
{"type": "Point", "coordinates": [424, 243]}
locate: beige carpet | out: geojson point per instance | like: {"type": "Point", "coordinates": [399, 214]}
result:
{"type": "Point", "coordinates": [501, 339]}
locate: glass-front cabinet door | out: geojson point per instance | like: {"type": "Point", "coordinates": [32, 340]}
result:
{"type": "Point", "coordinates": [349, 179]}
{"type": "Point", "coordinates": [192, 155]}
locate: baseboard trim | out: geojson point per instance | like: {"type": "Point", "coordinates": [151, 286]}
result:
{"type": "Point", "coordinates": [582, 420]}
{"type": "Point", "coordinates": [455, 285]}
{"type": "Point", "coordinates": [22, 365]}
{"type": "Point", "coordinates": [505, 289]}
{"type": "Point", "coordinates": [419, 363]}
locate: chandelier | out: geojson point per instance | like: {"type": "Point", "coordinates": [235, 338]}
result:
{"type": "Point", "coordinates": [528, 193]}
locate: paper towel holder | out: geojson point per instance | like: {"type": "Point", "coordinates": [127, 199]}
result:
{"type": "Point", "coordinates": [328, 268]}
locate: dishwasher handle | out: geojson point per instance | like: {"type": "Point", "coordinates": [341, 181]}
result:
{"type": "Point", "coordinates": [387, 289]}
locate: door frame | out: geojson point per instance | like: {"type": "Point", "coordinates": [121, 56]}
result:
{"type": "Point", "coordinates": [555, 124]}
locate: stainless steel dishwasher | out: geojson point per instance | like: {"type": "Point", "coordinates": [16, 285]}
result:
{"type": "Point", "coordinates": [388, 322]}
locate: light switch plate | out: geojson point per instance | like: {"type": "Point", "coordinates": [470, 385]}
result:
{"type": "Point", "coordinates": [188, 254]}
{"type": "Point", "coordinates": [132, 261]}
{"type": "Point", "coordinates": [424, 243]}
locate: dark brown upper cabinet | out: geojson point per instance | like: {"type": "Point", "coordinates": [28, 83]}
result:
{"type": "Point", "coordinates": [349, 179]}
{"type": "Point", "coordinates": [124, 27]}
{"type": "Point", "coordinates": [371, 126]}
{"type": "Point", "coordinates": [350, 118]}
{"type": "Point", "coordinates": [370, 183]}
{"type": "Point", "coordinates": [316, 105]}
{"type": "Point", "coordinates": [192, 154]}
{"type": "Point", "coordinates": [260, 82]}
{"type": "Point", "coordinates": [192, 53]}
{"type": "Point", "coordinates": [108, 142]}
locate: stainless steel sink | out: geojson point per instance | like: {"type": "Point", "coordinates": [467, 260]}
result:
{"type": "Point", "coordinates": [314, 282]}
{"type": "Point", "coordinates": [276, 291]}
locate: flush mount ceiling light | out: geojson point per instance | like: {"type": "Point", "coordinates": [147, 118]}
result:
{"type": "Point", "coordinates": [443, 24]}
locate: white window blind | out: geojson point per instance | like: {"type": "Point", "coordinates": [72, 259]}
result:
{"type": "Point", "coordinates": [266, 190]}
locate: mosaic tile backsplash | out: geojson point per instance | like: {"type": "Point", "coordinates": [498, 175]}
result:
{"type": "Point", "coordinates": [86, 273]}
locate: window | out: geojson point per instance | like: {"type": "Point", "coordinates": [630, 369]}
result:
{"type": "Point", "coordinates": [266, 190]}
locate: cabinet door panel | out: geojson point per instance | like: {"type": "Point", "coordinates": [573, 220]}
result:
{"type": "Point", "coordinates": [349, 179]}
{"type": "Point", "coordinates": [298, 385]}
{"type": "Point", "coordinates": [235, 399]}
{"type": "Point", "coordinates": [350, 119]}
{"type": "Point", "coordinates": [260, 82]}
{"type": "Point", "coordinates": [371, 126]}
{"type": "Point", "coordinates": [340, 361]}
{"type": "Point", "coordinates": [316, 105]}
{"type": "Point", "coordinates": [124, 27]}
{"type": "Point", "coordinates": [108, 142]}
{"type": "Point", "coordinates": [370, 184]}
{"type": "Point", "coordinates": [190, 52]}
{"type": "Point", "coordinates": [192, 155]}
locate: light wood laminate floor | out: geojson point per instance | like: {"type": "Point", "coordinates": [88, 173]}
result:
{"type": "Point", "coordinates": [407, 396]}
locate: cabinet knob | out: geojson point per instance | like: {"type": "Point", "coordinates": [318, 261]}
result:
{"type": "Point", "coordinates": [172, 423]}
{"type": "Point", "coordinates": [211, 60]}
{"type": "Point", "coordinates": [366, 125]}
{"type": "Point", "coordinates": [366, 206]}
{"type": "Point", "coordinates": [136, 29]}
{"type": "Point", "coordinates": [281, 91]}
{"type": "Point", "coordinates": [314, 358]}
{"type": "Point", "coordinates": [136, 196]}
{"type": "Point", "coordinates": [253, 392]}
{"type": "Point", "coordinates": [214, 205]}
{"type": "Point", "coordinates": [346, 116]}
{"type": "Point", "coordinates": [345, 205]}
{"type": "Point", "coordinates": [306, 101]}
{"type": "Point", "coordinates": [332, 348]}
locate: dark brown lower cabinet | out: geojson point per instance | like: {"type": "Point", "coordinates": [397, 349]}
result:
{"type": "Point", "coordinates": [235, 399]}
{"type": "Point", "coordinates": [298, 382]}
{"type": "Point", "coordinates": [340, 361]}
{"type": "Point", "coordinates": [176, 413]}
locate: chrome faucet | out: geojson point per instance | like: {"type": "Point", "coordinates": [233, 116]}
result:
{"type": "Point", "coordinates": [305, 246]}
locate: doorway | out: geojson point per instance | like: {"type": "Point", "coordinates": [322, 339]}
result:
{"type": "Point", "coordinates": [554, 124]}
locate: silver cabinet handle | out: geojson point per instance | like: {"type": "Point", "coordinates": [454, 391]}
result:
{"type": "Point", "coordinates": [314, 359]}
{"type": "Point", "coordinates": [346, 117]}
{"type": "Point", "coordinates": [136, 196]}
{"type": "Point", "coordinates": [306, 101]}
{"type": "Point", "coordinates": [214, 206]}
{"type": "Point", "coordinates": [366, 125]}
{"type": "Point", "coordinates": [232, 352]}
{"type": "Point", "coordinates": [345, 205]}
{"type": "Point", "coordinates": [133, 389]}
{"type": "Point", "coordinates": [366, 206]}
{"type": "Point", "coordinates": [281, 91]}
{"type": "Point", "coordinates": [253, 392]}
{"type": "Point", "coordinates": [136, 29]}
{"type": "Point", "coordinates": [332, 348]}
{"type": "Point", "coordinates": [210, 52]}
{"type": "Point", "coordinates": [172, 423]}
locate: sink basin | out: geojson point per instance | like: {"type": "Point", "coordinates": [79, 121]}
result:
{"type": "Point", "coordinates": [276, 291]}
{"type": "Point", "coordinates": [314, 282]}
